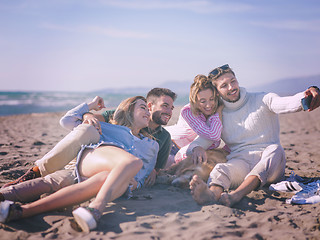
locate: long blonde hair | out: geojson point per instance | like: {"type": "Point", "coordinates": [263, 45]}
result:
{"type": "Point", "coordinates": [200, 83]}
{"type": "Point", "coordinates": [124, 113]}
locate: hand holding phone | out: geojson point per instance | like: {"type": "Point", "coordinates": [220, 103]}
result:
{"type": "Point", "coordinates": [305, 102]}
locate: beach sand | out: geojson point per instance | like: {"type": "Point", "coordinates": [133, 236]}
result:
{"type": "Point", "coordinates": [167, 212]}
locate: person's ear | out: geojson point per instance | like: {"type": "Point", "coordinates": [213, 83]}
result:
{"type": "Point", "coordinates": [149, 104]}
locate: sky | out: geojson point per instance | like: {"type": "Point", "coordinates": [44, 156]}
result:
{"type": "Point", "coordinates": [75, 45]}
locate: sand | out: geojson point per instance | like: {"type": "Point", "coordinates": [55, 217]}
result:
{"type": "Point", "coordinates": [167, 212]}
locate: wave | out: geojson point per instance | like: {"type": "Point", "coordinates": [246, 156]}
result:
{"type": "Point", "coordinates": [12, 103]}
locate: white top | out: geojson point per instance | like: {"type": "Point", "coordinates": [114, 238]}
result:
{"type": "Point", "coordinates": [251, 124]}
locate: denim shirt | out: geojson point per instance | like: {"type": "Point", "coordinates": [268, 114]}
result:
{"type": "Point", "coordinates": [144, 148]}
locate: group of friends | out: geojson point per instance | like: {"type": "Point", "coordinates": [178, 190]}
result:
{"type": "Point", "coordinates": [109, 155]}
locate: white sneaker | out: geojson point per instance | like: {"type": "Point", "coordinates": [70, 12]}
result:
{"type": "Point", "coordinates": [294, 183]}
{"type": "Point", "coordinates": [4, 210]}
{"type": "Point", "coordinates": [309, 194]}
{"type": "Point", "coordinates": [85, 218]}
{"type": "Point", "coordinates": [286, 186]}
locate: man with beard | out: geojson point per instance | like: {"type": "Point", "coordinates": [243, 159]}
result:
{"type": "Point", "coordinates": [160, 104]}
{"type": "Point", "coordinates": [53, 168]}
{"type": "Point", "coordinates": [251, 130]}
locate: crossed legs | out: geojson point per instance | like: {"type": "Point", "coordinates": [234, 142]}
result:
{"type": "Point", "coordinates": [203, 194]}
{"type": "Point", "coordinates": [269, 169]}
{"type": "Point", "coordinates": [109, 170]}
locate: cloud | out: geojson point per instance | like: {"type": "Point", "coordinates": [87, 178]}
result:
{"type": "Point", "coordinates": [295, 25]}
{"type": "Point", "coordinates": [117, 33]}
{"type": "Point", "coordinates": [200, 6]}
{"type": "Point", "coordinates": [106, 31]}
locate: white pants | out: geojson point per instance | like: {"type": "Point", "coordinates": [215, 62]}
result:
{"type": "Point", "coordinates": [53, 175]}
{"type": "Point", "coordinates": [31, 190]}
{"type": "Point", "coordinates": [268, 166]}
{"type": "Point", "coordinates": [67, 149]}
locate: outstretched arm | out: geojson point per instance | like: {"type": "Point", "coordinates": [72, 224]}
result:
{"type": "Point", "coordinates": [315, 92]}
{"type": "Point", "coordinates": [291, 104]}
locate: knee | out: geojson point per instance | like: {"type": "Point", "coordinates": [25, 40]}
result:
{"type": "Point", "coordinates": [137, 163]}
{"type": "Point", "coordinates": [217, 170]}
{"type": "Point", "coordinates": [275, 149]}
{"type": "Point", "coordinates": [220, 167]}
{"type": "Point", "coordinates": [88, 131]}
{"type": "Point", "coordinates": [101, 177]}
{"type": "Point", "coordinates": [274, 153]}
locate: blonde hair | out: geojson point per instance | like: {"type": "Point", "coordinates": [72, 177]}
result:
{"type": "Point", "coordinates": [200, 83]}
{"type": "Point", "coordinates": [124, 113]}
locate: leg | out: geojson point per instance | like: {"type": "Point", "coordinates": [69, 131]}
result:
{"type": "Point", "coordinates": [31, 190]}
{"type": "Point", "coordinates": [122, 167]}
{"type": "Point", "coordinates": [223, 176]}
{"type": "Point", "coordinates": [202, 194]}
{"type": "Point", "coordinates": [122, 171]}
{"type": "Point", "coordinates": [67, 149]}
{"type": "Point", "coordinates": [270, 168]}
{"type": "Point", "coordinates": [109, 168]}
{"type": "Point", "coordinates": [64, 152]}
{"type": "Point", "coordinates": [249, 184]}
{"type": "Point", "coordinates": [65, 196]}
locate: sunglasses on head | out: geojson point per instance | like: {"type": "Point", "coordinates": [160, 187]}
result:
{"type": "Point", "coordinates": [217, 70]}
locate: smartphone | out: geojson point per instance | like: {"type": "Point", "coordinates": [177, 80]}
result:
{"type": "Point", "coordinates": [305, 102]}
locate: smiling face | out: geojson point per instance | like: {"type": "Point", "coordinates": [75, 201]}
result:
{"type": "Point", "coordinates": [141, 114]}
{"type": "Point", "coordinates": [206, 102]}
{"type": "Point", "coordinates": [228, 87]}
{"type": "Point", "coordinates": [161, 110]}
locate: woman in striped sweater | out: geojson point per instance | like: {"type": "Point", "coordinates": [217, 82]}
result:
{"type": "Point", "coordinates": [200, 117]}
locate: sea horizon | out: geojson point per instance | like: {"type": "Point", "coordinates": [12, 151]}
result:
{"type": "Point", "coordinates": [26, 102]}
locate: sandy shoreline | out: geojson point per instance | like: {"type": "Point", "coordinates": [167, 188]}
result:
{"type": "Point", "coordinates": [166, 212]}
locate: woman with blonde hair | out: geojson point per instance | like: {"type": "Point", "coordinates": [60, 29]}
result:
{"type": "Point", "coordinates": [201, 117]}
{"type": "Point", "coordinates": [105, 170]}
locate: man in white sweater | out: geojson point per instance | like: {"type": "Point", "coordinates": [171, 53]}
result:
{"type": "Point", "coordinates": [251, 131]}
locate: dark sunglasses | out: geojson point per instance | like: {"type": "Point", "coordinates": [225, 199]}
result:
{"type": "Point", "coordinates": [216, 71]}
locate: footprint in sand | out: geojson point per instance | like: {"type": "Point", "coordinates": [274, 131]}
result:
{"type": "Point", "coordinates": [38, 143]}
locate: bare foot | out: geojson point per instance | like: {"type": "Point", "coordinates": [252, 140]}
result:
{"type": "Point", "coordinates": [200, 191]}
{"type": "Point", "coordinates": [229, 199]}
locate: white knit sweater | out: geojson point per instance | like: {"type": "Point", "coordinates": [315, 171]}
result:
{"type": "Point", "coordinates": [251, 124]}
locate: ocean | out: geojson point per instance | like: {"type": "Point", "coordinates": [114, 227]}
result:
{"type": "Point", "coordinates": [13, 103]}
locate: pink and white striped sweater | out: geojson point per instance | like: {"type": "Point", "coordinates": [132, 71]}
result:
{"type": "Point", "coordinates": [189, 126]}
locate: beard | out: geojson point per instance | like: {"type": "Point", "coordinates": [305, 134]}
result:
{"type": "Point", "coordinates": [156, 117]}
{"type": "Point", "coordinates": [232, 100]}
